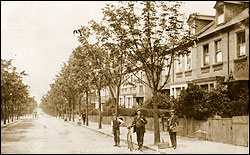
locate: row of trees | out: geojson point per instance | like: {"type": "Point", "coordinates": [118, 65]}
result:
{"type": "Point", "coordinates": [132, 37]}
{"type": "Point", "coordinates": [15, 99]}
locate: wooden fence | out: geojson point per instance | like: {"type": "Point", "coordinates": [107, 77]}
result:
{"type": "Point", "coordinates": [224, 130]}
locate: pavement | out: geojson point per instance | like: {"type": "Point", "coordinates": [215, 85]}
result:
{"type": "Point", "coordinates": [10, 122]}
{"type": "Point", "coordinates": [185, 145]}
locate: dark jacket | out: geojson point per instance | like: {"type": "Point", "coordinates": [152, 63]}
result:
{"type": "Point", "coordinates": [172, 122]}
{"type": "Point", "coordinates": [83, 115]}
{"type": "Point", "coordinates": [116, 124]}
{"type": "Point", "coordinates": [139, 123]}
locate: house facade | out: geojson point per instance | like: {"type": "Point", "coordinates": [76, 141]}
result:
{"type": "Point", "coordinates": [221, 49]}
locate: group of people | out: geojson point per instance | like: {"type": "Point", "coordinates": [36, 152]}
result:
{"type": "Point", "coordinates": [35, 114]}
{"type": "Point", "coordinates": [138, 125]}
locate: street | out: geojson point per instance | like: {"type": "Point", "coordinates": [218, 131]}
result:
{"type": "Point", "coordinates": [46, 135]}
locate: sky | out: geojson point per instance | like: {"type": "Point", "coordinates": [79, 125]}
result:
{"type": "Point", "coordinates": [38, 35]}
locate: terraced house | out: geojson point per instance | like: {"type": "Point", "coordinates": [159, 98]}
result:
{"type": "Point", "coordinates": [219, 54]}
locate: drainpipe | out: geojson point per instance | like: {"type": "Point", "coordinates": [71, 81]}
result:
{"type": "Point", "coordinates": [228, 53]}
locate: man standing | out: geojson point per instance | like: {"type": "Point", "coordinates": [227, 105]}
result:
{"type": "Point", "coordinates": [116, 130]}
{"type": "Point", "coordinates": [139, 127]}
{"type": "Point", "coordinates": [172, 124]}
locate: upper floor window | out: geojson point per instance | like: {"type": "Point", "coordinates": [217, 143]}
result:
{"type": "Point", "coordinates": [205, 55]}
{"type": "Point", "coordinates": [179, 64]}
{"type": "Point", "coordinates": [141, 89]}
{"type": "Point", "coordinates": [218, 51]}
{"type": "Point", "coordinates": [188, 61]}
{"type": "Point", "coordinates": [241, 44]}
{"type": "Point", "coordinates": [220, 16]}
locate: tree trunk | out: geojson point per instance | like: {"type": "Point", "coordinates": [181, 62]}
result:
{"type": "Point", "coordinates": [117, 101]}
{"type": "Point", "coordinates": [156, 120]}
{"type": "Point", "coordinates": [17, 113]}
{"type": "Point", "coordinates": [73, 111]}
{"type": "Point", "coordinates": [5, 112]}
{"type": "Point", "coordinates": [12, 113]}
{"type": "Point", "coordinates": [100, 112]}
{"type": "Point", "coordinates": [79, 104]}
{"type": "Point", "coordinates": [87, 110]}
{"type": "Point", "coordinates": [67, 112]}
{"type": "Point", "coordinates": [8, 116]}
{"type": "Point", "coordinates": [70, 110]}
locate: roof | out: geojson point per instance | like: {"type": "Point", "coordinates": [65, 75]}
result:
{"type": "Point", "coordinates": [231, 2]}
{"type": "Point", "coordinates": [200, 17]}
{"type": "Point", "coordinates": [240, 17]}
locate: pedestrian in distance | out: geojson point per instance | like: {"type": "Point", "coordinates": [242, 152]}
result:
{"type": "Point", "coordinates": [172, 128]}
{"type": "Point", "coordinates": [83, 117]}
{"type": "Point", "coordinates": [116, 130]}
{"type": "Point", "coordinates": [139, 123]}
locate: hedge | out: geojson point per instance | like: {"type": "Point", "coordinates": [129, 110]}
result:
{"type": "Point", "coordinates": [130, 112]}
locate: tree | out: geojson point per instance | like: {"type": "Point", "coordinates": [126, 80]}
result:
{"type": "Point", "coordinates": [115, 61]}
{"type": "Point", "coordinates": [149, 31]}
{"type": "Point", "coordinates": [14, 94]}
{"type": "Point", "coordinates": [98, 62]}
{"type": "Point", "coordinates": [82, 70]}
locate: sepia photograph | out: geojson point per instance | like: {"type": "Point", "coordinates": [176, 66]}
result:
{"type": "Point", "coordinates": [124, 77]}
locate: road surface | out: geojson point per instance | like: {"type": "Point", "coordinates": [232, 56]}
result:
{"type": "Point", "coordinates": [49, 135]}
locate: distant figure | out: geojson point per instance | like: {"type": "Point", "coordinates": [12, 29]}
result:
{"type": "Point", "coordinates": [83, 117]}
{"type": "Point", "coordinates": [65, 118]}
{"type": "Point", "coordinates": [139, 127]}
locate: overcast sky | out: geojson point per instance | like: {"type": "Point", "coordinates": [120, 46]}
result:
{"type": "Point", "coordinates": [38, 35]}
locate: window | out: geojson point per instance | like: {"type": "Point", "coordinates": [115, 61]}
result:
{"type": "Point", "coordinates": [179, 64]}
{"type": "Point", "coordinates": [188, 61]}
{"type": "Point", "coordinates": [220, 16]}
{"type": "Point", "coordinates": [205, 55]}
{"type": "Point", "coordinates": [218, 51]}
{"type": "Point", "coordinates": [241, 44]}
{"type": "Point", "coordinates": [211, 86]}
{"type": "Point", "coordinates": [205, 86]}
{"type": "Point", "coordinates": [178, 92]}
{"type": "Point", "coordinates": [128, 102]}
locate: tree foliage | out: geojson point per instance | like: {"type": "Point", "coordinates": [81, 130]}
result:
{"type": "Point", "coordinates": [164, 101]}
{"type": "Point", "coordinates": [201, 104]}
{"type": "Point", "coordinates": [15, 99]}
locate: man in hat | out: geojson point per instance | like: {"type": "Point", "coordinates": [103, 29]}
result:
{"type": "Point", "coordinates": [116, 130]}
{"type": "Point", "coordinates": [172, 124]}
{"type": "Point", "coordinates": [139, 127]}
